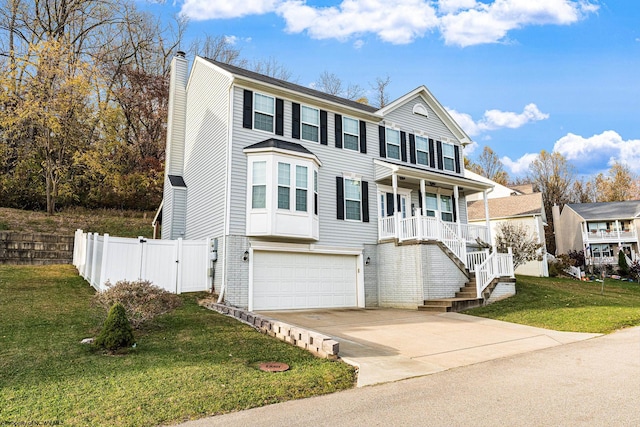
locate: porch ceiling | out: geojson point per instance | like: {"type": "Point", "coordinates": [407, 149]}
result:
{"type": "Point", "coordinates": [408, 175]}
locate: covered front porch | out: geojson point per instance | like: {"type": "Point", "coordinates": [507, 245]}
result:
{"type": "Point", "coordinates": [419, 205]}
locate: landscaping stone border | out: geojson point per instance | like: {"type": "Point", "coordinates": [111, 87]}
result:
{"type": "Point", "coordinates": [316, 343]}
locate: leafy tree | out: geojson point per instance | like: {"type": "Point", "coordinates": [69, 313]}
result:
{"type": "Point", "coordinates": [623, 265]}
{"type": "Point", "coordinates": [619, 184]}
{"type": "Point", "coordinates": [515, 235]}
{"type": "Point", "coordinates": [489, 166]}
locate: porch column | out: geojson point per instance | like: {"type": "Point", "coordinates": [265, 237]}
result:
{"type": "Point", "coordinates": [486, 216]}
{"type": "Point", "coordinates": [396, 217]}
{"type": "Point", "coordinates": [423, 196]}
{"type": "Point", "coordinates": [618, 232]}
{"type": "Point", "coordinates": [455, 197]}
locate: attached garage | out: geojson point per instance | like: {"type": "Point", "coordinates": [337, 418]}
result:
{"type": "Point", "coordinates": [294, 280]}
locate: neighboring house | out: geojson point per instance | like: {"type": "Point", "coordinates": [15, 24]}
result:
{"type": "Point", "coordinates": [312, 200]}
{"type": "Point", "coordinates": [515, 204]}
{"type": "Point", "coordinates": [601, 230]}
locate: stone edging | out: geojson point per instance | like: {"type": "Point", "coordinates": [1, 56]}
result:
{"type": "Point", "coordinates": [316, 343]}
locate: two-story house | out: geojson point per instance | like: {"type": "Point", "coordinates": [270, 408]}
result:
{"type": "Point", "coordinates": [313, 200]}
{"type": "Point", "coordinates": [601, 230]}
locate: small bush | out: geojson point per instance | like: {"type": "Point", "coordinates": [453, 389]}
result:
{"type": "Point", "coordinates": [634, 270]}
{"type": "Point", "coordinates": [116, 332]}
{"type": "Point", "coordinates": [142, 300]}
{"type": "Point", "coordinates": [577, 257]}
{"type": "Point", "coordinates": [623, 266]}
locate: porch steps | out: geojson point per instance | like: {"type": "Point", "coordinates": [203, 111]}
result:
{"type": "Point", "coordinates": [465, 298]}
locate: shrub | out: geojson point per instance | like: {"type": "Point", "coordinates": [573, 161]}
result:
{"type": "Point", "coordinates": [577, 257]}
{"type": "Point", "coordinates": [634, 270]}
{"type": "Point", "coordinates": [623, 266]}
{"type": "Point", "coordinates": [142, 300]}
{"type": "Point", "coordinates": [116, 332]}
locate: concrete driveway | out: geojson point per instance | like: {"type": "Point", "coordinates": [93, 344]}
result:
{"type": "Point", "coordinates": [391, 344]}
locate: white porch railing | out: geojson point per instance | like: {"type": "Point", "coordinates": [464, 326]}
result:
{"type": "Point", "coordinates": [472, 232]}
{"type": "Point", "coordinates": [574, 271]}
{"type": "Point", "coordinates": [476, 258]}
{"type": "Point", "coordinates": [431, 228]}
{"type": "Point", "coordinates": [495, 265]}
{"type": "Point", "coordinates": [596, 236]}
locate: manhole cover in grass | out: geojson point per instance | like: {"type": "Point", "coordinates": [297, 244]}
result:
{"type": "Point", "coordinates": [274, 367]}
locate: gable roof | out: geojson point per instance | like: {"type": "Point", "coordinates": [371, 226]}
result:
{"type": "Point", "coordinates": [607, 210]}
{"type": "Point", "coordinates": [507, 207]}
{"type": "Point", "coordinates": [252, 75]}
{"type": "Point", "coordinates": [440, 111]}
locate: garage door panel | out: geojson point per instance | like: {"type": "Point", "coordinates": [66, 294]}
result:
{"type": "Point", "coordinates": [291, 280]}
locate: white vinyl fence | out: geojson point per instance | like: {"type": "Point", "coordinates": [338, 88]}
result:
{"type": "Point", "coordinates": [174, 265]}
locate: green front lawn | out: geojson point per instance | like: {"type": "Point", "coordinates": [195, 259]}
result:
{"type": "Point", "coordinates": [188, 364]}
{"type": "Point", "coordinates": [568, 305]}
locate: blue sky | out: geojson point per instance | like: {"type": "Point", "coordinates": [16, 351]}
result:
{"type": "Point", "coordinates": [518, 75]}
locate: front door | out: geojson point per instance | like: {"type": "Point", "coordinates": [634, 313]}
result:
{"type": "Point", "coordinates": [387, 206]}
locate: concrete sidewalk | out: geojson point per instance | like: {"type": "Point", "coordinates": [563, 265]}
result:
{"type": "Point", "coordinates": [389, 344]}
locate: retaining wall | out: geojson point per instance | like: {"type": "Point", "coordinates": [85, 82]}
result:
{"type": "Point", "coordinates": [318, 344]}
{"type": "Point", "coordinates": [20, 248]}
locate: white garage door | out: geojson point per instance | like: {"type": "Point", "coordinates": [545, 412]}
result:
{"type": "Point", "coordinates": [288, 280]}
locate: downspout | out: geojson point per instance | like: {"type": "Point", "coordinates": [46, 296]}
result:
{"type": "Point", "coordinates": [227, 217]}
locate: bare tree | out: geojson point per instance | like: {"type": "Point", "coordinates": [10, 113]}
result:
{"type": "Point", "coordinates": [218, 48]}
{"type": "Point", "coordinates": [380, 89]}
{"type": "Point", "coordinates": [552, 175]}
{"type": "Point", "coordinates": [489, 166]}
{"type": "Point", "coordinates": [332, 84]}
{"type": "Point", "coordinates": [272, 68]}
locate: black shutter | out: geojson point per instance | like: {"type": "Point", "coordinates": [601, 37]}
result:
{"type": "Point", "coordinates": [403, 146]}
{"type": "Point", "coordinates": [412, 148]}
{"type": "Point", "coordinates": [399, 200]}
{"type": "Point", "coordinates": [439, 143]}
{"type": "Point", "coordinates": [457, 153]}
{"type": "Point", "coordinates": [279, 117]}
{"type": "Point", "coordinates": [323, 127]}
{"type": "Point", "coordinates": [363, 137]}
{"type": "Point", "coordinates": [247, 110]}
{"type": "Point", "coordinates": [383, 141]}
{"type": "Point", "coordinates": [295, 120]}
{"type": "Point", "coordinates": [390, 205]}
{"type": "Point", "coordinates": [365, 201]}
{"type": "Point", "coordinates": [338, 135]}
{"type": "Point", "coordinates": [420, 201]}
{"type": "Point", "coordinates": [339, 198]}
{"type": "Point", "coordinates": [453, 206]}
{"type": "Point", "coordinates": [432, 154]}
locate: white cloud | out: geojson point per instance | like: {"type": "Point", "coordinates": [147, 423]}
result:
{"type": "Point", "coordinates": [490, 22]}
{"type": "Point", "coordinates": [496, 119]}
{"type": "Point", "coordinates": [519, 166]}
{"type": "Point", "coordinates": [451, 6]}
{"type": "Point", "coordinates": [358, 44]}
{"type": "Point", "coordinates": [461, 22]}
{"type": "Point", "coordinates": [607, 145]}
{"type": "Point", "coordinates": [202, 10]}
{"type": "Point", "coordinates": [394, 21]}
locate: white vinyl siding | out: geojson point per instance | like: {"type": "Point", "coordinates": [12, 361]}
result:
{"type": "Point", "coordinates": [206, 152]}
{"type": "Point", "coordinates": [310, 123]}
{"type": "Point", "coordinates": [334, 163]}
{"type": "Point", "coordinates": [351, 133]}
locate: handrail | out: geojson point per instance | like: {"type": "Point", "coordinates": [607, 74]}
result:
{"type": "Point", "coordinates": [496, 265]}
